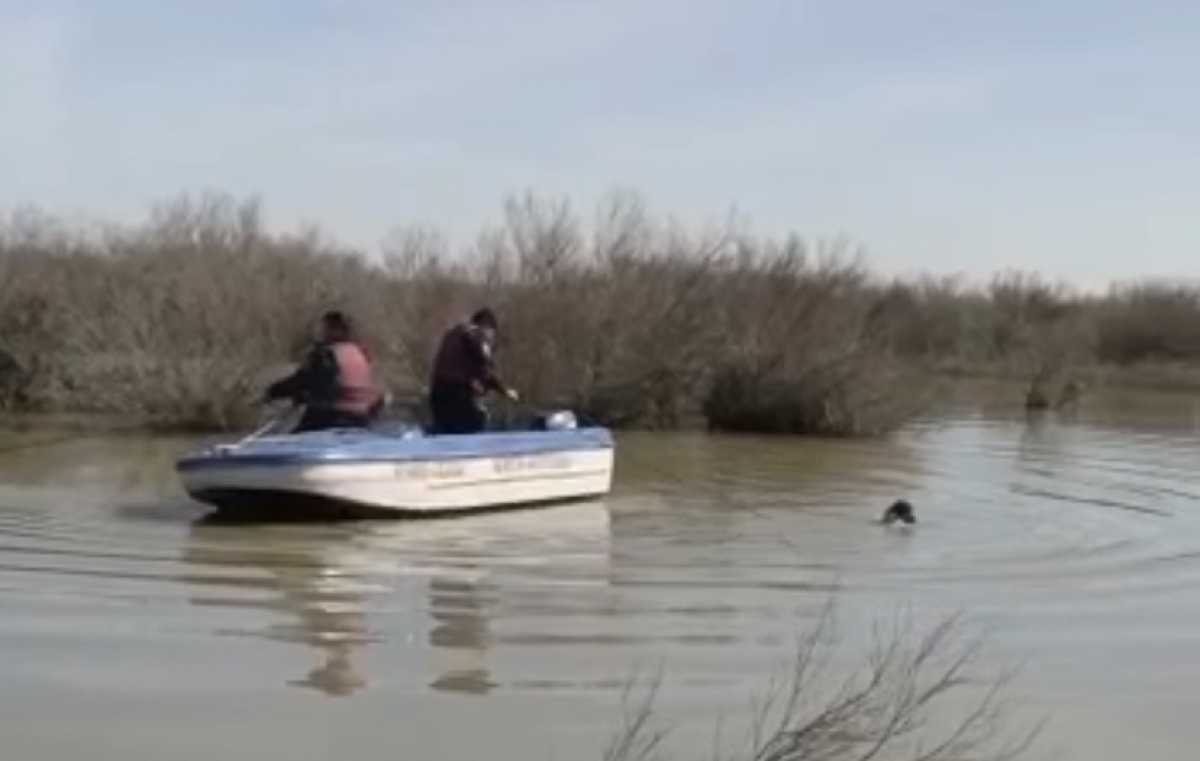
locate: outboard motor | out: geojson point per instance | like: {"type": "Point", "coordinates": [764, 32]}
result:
{"type": "Point", "coordinates": [562, 420]}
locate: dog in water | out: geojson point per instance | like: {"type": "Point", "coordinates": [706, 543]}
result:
{"type": "Point", "coordinates": [901, 511]}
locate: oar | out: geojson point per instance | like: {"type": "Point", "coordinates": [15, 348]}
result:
{"type": "Point", "coordinates": [263, 429]}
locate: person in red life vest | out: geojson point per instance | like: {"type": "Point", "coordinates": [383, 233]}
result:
{"type": "Point", "coordinates": [335, 383]}
{"type": "Point", "coordinates": [463, 372]}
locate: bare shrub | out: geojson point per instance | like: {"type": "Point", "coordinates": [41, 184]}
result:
{"type": "Point", "coordinates": [914, 696]}
{"type": "Point", "coordinates": [424, 292]}
{"type": "Point", "coordinates": [172, 320]}
{"type": "Point", "coordinates": [628, 320]}
{"type": "Point", "coordinates": [809, 348]}
{"type": "Point", "coordinates": [1149, 321]}
{"type": "Point", "coordinates": [616, 324]}
{"type": "Point", "coordinates": [938, 319]}
{"type": "Point", "coordinates": [1042, 330]}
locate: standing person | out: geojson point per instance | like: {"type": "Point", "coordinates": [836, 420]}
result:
{"type": "Point", "coordinates": [335, 383]}
{"type": "Point", "coordinates": [463, 372]}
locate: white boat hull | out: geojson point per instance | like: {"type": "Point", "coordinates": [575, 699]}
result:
{"type": "Point", "coordinates": [416, 487]}
{"type": "Point", "coordinates": [404, 482]}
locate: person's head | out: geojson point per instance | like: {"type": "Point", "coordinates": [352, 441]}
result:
{"type": "Point", "coordinates": [336, 326]}
{"type": "Point", "coordinates": [485, 320]}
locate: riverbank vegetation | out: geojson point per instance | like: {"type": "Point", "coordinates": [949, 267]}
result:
{"type": "Point", "coordinates": [629, 319]}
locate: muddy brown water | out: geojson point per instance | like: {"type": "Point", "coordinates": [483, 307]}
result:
{"type": "Point", "coordinates": [129, 630]}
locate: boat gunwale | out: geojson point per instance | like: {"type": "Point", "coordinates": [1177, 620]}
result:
{"type": "Point", "coordinates": [214, 458]}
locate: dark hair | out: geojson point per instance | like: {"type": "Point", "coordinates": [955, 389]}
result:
{"type": "Point", "coordinates": [485, 318]}
{"type": "Point", "coordinates": [338, 323]}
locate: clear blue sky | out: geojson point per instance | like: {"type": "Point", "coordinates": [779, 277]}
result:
{"type": "Point", "coordinates": [947, 136]}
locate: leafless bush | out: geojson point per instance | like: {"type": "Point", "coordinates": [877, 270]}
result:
{"type": "Point", "coordinates": [809, 347]}
{"type": "Point", "coordinates": [172, 320]}
{"type": "Point", "coordinates": [939, 319]}
{"type": "Point", "coordinates": [628, 320]}
{"type": "Point", "coordinates": [1022, 304]}
{"type": "Point", "coordinates": [914, 697]}
{"type": "Point", "coordinates": [615, 324]}
{"type": "Point", "coordinates": [1149, 321]}
{"type": "Point", "coordinates": [424, 293]}
{"type": "Point", "coordinates": [1043, 330]}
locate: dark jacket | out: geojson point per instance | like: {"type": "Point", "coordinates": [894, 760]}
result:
{"type": "Point", "coordinates": [464, 358]}
{"type": "Point", "coordinates": [334, 376]}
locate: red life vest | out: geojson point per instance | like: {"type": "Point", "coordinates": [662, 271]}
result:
{"type": "Point", "coordinates": [356, 393]}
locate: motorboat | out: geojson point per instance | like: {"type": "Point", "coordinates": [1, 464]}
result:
{"type": "Point", "coordinates": [360, 473]}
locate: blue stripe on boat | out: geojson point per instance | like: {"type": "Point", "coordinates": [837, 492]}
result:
{"type": "Point", "coordinates": [353, 446]}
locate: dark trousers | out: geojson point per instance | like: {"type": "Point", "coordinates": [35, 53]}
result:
{"type": "Point", "coordinates": [456, 409]}
{"type": "Point", "coordinates": [321, 418]}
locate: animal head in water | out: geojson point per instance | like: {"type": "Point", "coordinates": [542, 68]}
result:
{"type": "Point", "coordinates": [901, 510]}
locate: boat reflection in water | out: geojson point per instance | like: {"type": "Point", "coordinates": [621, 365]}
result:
{"type": "Point", "coordinates": [460, 607]}
{"type": "Point", "coordinates": [342, 588]}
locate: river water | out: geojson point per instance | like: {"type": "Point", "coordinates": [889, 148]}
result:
{"type": "Point", "coordinates": [130, 629]}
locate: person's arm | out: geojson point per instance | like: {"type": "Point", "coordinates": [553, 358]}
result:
{"type": "Point", "coordinates": [481, 352]}
{"type": "Point", "coordinates": [289, 387]}
{"type": "Point", "coordinates": [315, 374]}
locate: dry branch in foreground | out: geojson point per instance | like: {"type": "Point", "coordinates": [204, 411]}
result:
{"type": "Point", "coordinates": [914, 697]}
